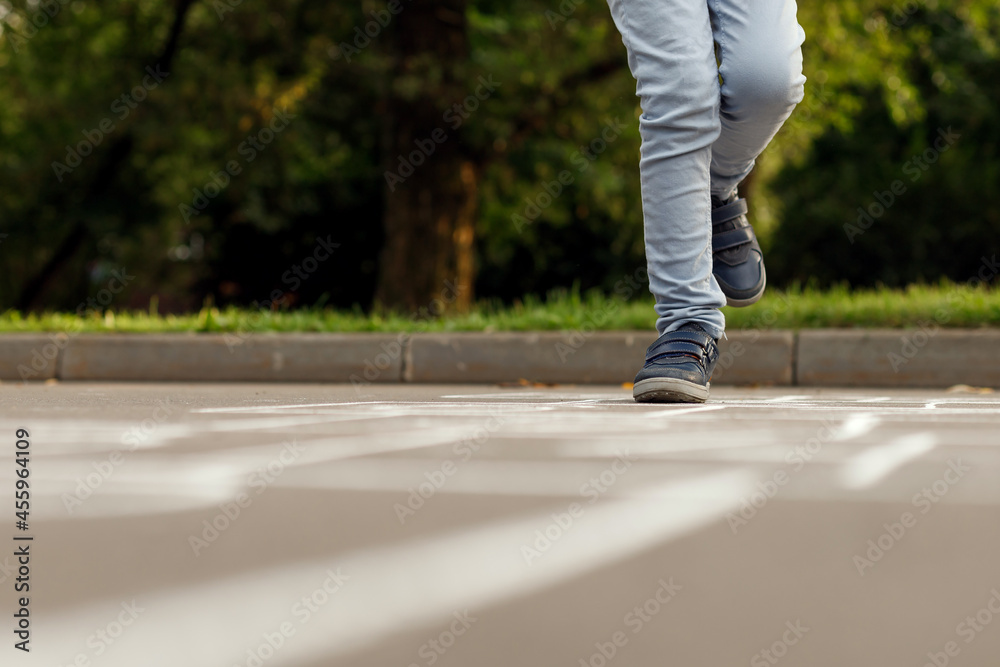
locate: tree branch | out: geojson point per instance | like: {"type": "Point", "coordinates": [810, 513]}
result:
{"type": "Point", "coordinates": [115, 156]}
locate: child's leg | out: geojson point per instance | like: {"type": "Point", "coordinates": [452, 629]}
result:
{"type": "Point", "coordinates": [671, 54]}
{"type": "Point", "coordinates": [761, 67]}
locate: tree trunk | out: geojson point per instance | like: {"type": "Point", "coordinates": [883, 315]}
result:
{"type": "Point", "coordinates": [432, 188]}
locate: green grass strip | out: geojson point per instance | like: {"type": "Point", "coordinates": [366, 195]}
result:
{"type": "Point", "coordinates": [946, 304]}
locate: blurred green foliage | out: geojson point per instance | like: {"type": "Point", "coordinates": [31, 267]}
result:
{"type": "Point", "coordinates": [883, 80]}
{"type": "Point", "coordinates": [894, 182]}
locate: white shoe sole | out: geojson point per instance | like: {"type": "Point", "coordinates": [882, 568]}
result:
{"type": "Point", "coordinates": [669, 390]}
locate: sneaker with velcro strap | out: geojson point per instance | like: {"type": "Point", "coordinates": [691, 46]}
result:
{"type": "Point", "coordinates": [678, 367]}
{"type": "Point", "coordinates": [738, 263]}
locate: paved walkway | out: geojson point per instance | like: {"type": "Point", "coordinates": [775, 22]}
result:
{"type": "Point", "coordinates": [476, 526]}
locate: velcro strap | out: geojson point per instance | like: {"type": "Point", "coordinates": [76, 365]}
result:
{"type": "Point", "coordinates": [730, 211]}
{"type": "Point", "coordinates": [696, 337]}
{"type": "Point", "coordinates": [678, 347]}
{"type": "Point", "coordinates": [731, 238]}
{"type": "Point", "coordinates": [674, 359]}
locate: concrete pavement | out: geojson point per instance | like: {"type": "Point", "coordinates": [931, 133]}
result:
{"type": "Point", "coordinates": [216, 525]}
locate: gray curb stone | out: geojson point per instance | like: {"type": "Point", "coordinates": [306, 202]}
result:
{"type": "Point", "coordinates": [226, 358]}
{"type": "Point", "coordinates": [756, 357]}
{"type": "Point", "coordinates": [597, 357]}
{"type": "Point", "coordinates": [747, 357]}
{"type": "Point", "coordinates": [929, 357]}
{"type": "Point", "coordinates": [30, 356]}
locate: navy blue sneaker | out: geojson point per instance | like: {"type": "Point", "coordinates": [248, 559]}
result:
{"type": "Point", "coordinates": [678, 367]}
{"type": "Point", "coordinates": [738, 262]}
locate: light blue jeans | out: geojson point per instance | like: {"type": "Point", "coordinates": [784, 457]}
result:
{"type": "Point", "coordinates": [700, 137]}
